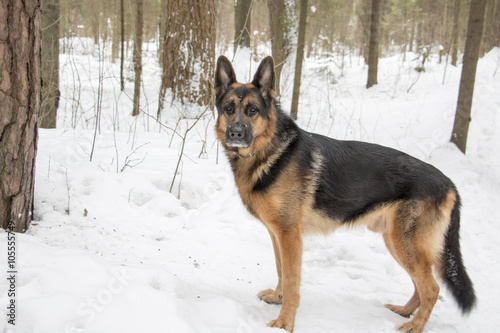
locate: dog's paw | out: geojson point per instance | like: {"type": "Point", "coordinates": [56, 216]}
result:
{"type": "Point", "coordinates": [271, 296]}
{"type": "Point", "coordinates": [280, 323]}
{"type": "Point", "coordinates": [400, 310]}
{"type": "Point", "coordinates": [411, 327]}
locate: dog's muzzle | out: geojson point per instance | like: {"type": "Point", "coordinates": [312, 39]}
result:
{"type": "Point", "coordinates": [238, 136]}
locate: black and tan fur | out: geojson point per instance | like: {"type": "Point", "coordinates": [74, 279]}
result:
{"type": "Point", "coordinates": [297, 182]}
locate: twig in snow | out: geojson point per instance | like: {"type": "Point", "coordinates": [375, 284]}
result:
{"type": "Point", "coordinates": [183, 145]}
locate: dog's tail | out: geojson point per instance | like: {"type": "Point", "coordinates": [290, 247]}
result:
{"type": "Point", "coordinates": [454, 274]}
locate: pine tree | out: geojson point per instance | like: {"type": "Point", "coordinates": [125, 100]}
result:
{"type": "Point", "coordinates": [20, 100]}
{"type": "Point", "coordinates": [189, 51]}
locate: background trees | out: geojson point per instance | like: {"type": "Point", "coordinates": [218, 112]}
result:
{"type": "Point", "coordinates": [472, 47]}
{"type": "Point", "coordinates": [335, 27]}
{"type": "Point", "coordinates": [185, 34]}
{"type": "Point", "coordinates": [189, 51]}
{"type": "Point", "coordinates": [374, 44]}
{"type": "Point", "coordinates": [138, 56]}
{"type": "Point", "coordinates": [280, 34]}
{"type": "Point", "coordinates": [242, 23]}
{"type": "Point", "coordinates": [455, 32]}
{"type": "Point", "coordinates": [299, 58]}
{"type": "Point", "coordinates": [334, 24]}
{"type": "Point", "coordinates": [50, 67]}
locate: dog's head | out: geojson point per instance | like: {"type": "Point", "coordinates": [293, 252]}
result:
{"type": "Point", "coordinates": [245, 119]}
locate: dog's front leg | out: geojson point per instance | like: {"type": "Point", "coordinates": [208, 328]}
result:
{"type": "Point", "coordinates": [290, 247]}
{"type": "Point", "coordinates": [274, 296]}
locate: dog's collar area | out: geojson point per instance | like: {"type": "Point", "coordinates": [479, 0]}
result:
{"type": "Point", "coordinates": [242, 156]}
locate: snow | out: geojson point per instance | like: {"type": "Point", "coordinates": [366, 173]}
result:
{"type": "Point", "coordinates": [114, 251]}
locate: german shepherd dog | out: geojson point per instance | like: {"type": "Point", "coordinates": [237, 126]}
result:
{"type": "Point", "coordinates": [297, 182]}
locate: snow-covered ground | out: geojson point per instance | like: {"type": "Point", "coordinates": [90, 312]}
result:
{"type": "Point", "coordinates": [112, 249]}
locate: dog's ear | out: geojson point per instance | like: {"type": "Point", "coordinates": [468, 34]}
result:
{"type": "Point", "coordinates": [265, 77]}
{"type": "Point", "coordinates": [224, 76]}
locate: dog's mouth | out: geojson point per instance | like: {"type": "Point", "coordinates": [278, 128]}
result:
{"type": "Point", "coordinates": [237, 144]}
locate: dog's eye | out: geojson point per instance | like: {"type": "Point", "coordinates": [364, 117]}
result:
{"type": "Point", "coordinates": [228, 109]}
{"type": "Point", "coordinates": [251, 111]}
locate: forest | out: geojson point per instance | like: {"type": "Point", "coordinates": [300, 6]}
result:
{"type": "Point", "coordinates": [119, 208]}
{"type": "Point", "coordinates": [334, 28]}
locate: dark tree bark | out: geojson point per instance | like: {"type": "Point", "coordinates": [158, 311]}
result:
{"type": "Point", "coordinates": [50, 64]}
{"type": "Point", "coordinates": [299, 59]}
{"type": "Point", "coordinates": [454, 38]}
{"type": "Point", "coordinates": [279, 30]}
{"type": "Point", "coordinates": [242, 18]}
{"type": "Point", "coordinates": [374, 44]}
{"type": "Point", "coordinates": [20, 102]}
{"type": "Point", "coordinates": [189, 51]}
{"type": "Point", "coordinates": [466, 91]}
{"type": "Point", "coordinates": [138, 56]}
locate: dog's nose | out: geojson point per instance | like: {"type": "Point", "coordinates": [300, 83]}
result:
{"type": "Point", "coordinates": [236, 131]}
{"type": "Point", "coordinates": [238, 135]}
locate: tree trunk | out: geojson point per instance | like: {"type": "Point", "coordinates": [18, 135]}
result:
{"type": "Point", "coordinates": [419, 33]}
{"type": "Point", "coordinates": [454, 38]}
{"type": "Point", "coordinates": [374, 44]}
{"type": "Point", "coordinates": [466, 91]}
{"type": "Point", "coordinates": [115, 47]}
{"type": "Point", "coordinates": [189, 51]}
{"type": "Point", "coordinates": [95, 21]}
{"type": "Point", "coordinates": [138, 57]}
{"type": "Point", "coordinates": [242, 16]}
{"type": "Point", "coordinates": [412, 38]}
{"type": "Point", "coordinates": [20, 102]}
{"type": "Point", "coordinates": [163, 27]}
{"type": "Point", "coordinates": [495, 25]}
{"type": "Point", "coordinates": [122, 49]}
{"type": "Point", "coordinates": [299, 58]}
{"type": "Point", "coordinates": [490, 34]}
{"type": "Point", "coordinates": [363, 28]}
{"type": "Point", "coordinates": [50, 64]}
{"type": "Point", "coordinates": [279, 31]}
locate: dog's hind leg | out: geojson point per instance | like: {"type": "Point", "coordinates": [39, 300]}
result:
{"type": "Point", "coordinates": [274, 296]}
{"type": "Point", "coordinates": [407, 238]}
{"type": "Point", "coordinates": [429, 292]}
{"type": "Point", "coordinates": [426, 288]}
